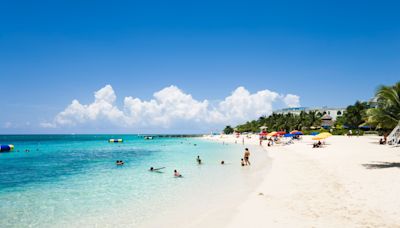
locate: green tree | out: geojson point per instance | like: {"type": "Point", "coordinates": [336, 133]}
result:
{"type": "Point", "coordinates": [312, 119]}
{"type": "Point", "coordinates": [386, 114]}
{"type": "Point", "coordinates": [228, 130]}
{"type": "Point", "coordinates": [355, 114]}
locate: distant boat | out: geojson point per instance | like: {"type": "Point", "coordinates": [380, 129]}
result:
{"type": "Point", "coordinates": [115, 140]}
{"type": "Point", "coordinates": [148, 137]}
{"type": "Point", "coordinates": [6, 148]}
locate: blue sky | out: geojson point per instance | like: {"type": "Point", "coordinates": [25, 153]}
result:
{"type": "Point", "coordinates": [326, 52]}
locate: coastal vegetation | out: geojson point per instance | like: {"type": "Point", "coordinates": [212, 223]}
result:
{"type": "Point", "coordinates": [386, 114]}
{"type": "Point", "coordinates": [228, 130]}
{"type": "Point", "coordinates": [381, 114]}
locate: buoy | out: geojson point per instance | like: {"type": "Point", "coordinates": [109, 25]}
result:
{"type": "Point", "coordinates": [115, 140]}
{"type": "Point", "coordinates": [5, 148]}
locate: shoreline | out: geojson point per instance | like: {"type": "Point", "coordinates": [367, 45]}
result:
{"type": "Point", "coordinates": [217, 209]}
{"type": "Point", "coordinates": [333, 186]}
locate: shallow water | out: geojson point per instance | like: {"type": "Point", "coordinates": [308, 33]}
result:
{"type": "Point", "coordinates": [72, 180]}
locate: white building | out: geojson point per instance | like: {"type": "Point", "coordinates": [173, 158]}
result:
{"type": "Point", "coordinates": [333, 112]}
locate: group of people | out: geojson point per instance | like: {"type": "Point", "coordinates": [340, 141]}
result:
{"type": "Point", "coordinates": [119, 162]}
{"type": "Point", "coordinates": [244, 161]}
{"type": "Point", "coordinates": [317, 144]}
{"type": "Point", "coordinates": [246, 158]}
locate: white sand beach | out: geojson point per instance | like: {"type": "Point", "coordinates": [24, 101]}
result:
{"type": "Point", "coordinates": [351, 182]}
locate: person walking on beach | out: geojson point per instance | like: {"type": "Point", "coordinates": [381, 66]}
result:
{"type": "Point", "coordinates": [198, 160]}
{"type": "Point", "coordinates": [246, 156]}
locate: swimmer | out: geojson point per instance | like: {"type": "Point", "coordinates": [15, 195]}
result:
{"type": "Point", "coordinates": [176, 174]}
{"type": "Point", "coordinates": [222, 162]}
{"type": "Point", "coordinates": [155, 169]}
{"type": "Point", "coordinates": [242, 162]}
{"type": "Point", "coordinates": [119, 162]}
{"type": "Point", "coordinates": [198, 160]}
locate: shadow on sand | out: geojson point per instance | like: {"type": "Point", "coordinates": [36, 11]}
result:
{"type": "Point", "coordinates": [382, 165]}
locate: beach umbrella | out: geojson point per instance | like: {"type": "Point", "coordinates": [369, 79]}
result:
{"type": "Point", "coordinates": [274, 133]}
{"type": "Point", "coordinates": [281, 132]}
{"type": "Point", "coordinates": [316, 138]}
{"type": "Point", "coordinates": [295, 132]}
{"type": "Point", "coordinates": [288, 135]}
{"type": "Point", "coordinates": [364, 126]}
{"type": "Point", "coordinates": [263, 128]}
{"type": "Point", "coordinates": [323, 135]}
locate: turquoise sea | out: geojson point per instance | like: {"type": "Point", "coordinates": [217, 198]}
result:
{"type": "Point", "coordinates": [72, 180]}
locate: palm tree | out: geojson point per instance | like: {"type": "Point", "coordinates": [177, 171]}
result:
{"type": "Point", "coordinates": [386, 115]}
{"type": "Point", "coordinates": [313, 119]}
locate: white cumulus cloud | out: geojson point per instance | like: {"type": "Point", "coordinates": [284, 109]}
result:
{"type": "Point", "coordinates": [169, 107]}
{"type": "Point", "coordinates": [292, 100]}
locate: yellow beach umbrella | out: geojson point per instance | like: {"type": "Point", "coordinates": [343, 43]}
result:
{"type": "Point", "coordinates": [324, 135]}
{"type": "Point", "coordinates": [272, 134]}
{"type": "Point", "coordinates": [316, 138]}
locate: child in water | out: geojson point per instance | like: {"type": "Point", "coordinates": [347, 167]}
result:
{"type": "Point", "coordinates": [198, 160]}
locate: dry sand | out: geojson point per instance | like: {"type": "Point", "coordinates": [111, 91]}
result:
{"type": "Point", "coordinates": [351, 182]}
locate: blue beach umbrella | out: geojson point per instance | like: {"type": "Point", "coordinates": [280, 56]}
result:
{"type": "Point", "coordinates": [288, 135]}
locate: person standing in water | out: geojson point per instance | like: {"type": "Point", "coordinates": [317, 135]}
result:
{"type": "Point", "coordinates": [198, 160]}
{"type": "Point", "coordinates": [246, 156]}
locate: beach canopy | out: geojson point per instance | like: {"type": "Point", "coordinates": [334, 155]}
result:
{"type": "Point", "coordinates": [274, 133]}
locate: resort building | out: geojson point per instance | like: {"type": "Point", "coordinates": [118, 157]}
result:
{"type": "Point", "coordinates": [332, 112]}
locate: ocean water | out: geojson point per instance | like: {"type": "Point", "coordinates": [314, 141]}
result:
{"type": "Point", "coordinates": [72, 180]}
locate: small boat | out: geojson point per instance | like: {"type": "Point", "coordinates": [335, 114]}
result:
{"type": "Point", "coordinates": [115, 140]}
{"type": "Point", "coordinates": [148, 137]}
{"type": "Point", "coordinates": [6, 148]}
